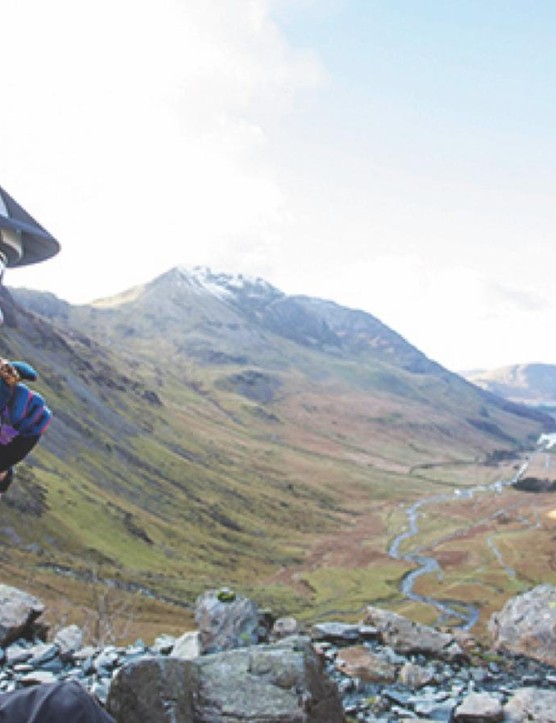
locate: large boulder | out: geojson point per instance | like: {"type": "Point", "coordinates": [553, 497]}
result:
{"type": "Point", "coordinates": [531, 704]}
{"type": "Point", "coordinates": [18, 612]}
{"type": "Point", "coordinates": [526, 625]}
{"type": "Point", "coordinates": [408, 638]}
{"type": "Point", "coordinates": [279, 683]}
{"type": "Point", "coordinates": [157, 690]}
{"type": "Point", "coordinates": [267, 683]}
{"type": "Point", "coordinates": [226, 621]}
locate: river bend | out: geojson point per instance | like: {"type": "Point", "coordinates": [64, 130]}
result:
{"type": "Point", "coordinates": [467, 614]}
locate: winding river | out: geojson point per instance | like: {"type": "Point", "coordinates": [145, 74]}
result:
{"type": "Point", "coordinates": [467, 614]}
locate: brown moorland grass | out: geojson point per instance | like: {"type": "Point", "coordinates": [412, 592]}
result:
{"type": "Point", "coordinates": [491, 548]}
{"type": "Point", "coordinates": [163, 475]}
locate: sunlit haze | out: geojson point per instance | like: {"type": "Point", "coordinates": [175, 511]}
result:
{"type": "Point", "coordinates": [394, 156]}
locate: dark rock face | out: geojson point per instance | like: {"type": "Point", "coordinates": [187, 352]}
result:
{"type": "Point", "coordinates": [254, 385]}
{"type": "Point", "coordinates": [527, 625]}
{"type": "Point", "coordinates": [267, 683]}
{"type": "Point", "coordinates": [154, 690]}
{"type": "Point", "coordinates": [490, 428]}
{"type": "Point", "coordinates": [290, 318]}
{"type": "Point", "coordinates": [18, 612]}
{"type": "Point", "coordinates": [534, 484]}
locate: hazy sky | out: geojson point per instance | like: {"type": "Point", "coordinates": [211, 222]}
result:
{"type": "Point", "coordinates": [393, 155]}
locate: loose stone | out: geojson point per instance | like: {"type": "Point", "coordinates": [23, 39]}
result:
{"type": "Point", "coordinates": [359, 662]}
{"type": "Point", "coordinates": [37, 677]}
{"type": "Point", "coordinates": [335, 632]}
{"type": "Point", "coordinates": [479, 708]}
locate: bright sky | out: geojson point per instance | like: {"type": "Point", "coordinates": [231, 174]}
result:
{"type": "Point", "coordinates": [392, 155]}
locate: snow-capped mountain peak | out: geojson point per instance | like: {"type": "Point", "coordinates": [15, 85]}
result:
{"type": "Point", "coordinates": [228, 284]}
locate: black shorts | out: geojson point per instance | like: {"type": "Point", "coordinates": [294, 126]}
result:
{"type": "Point", "coordinates": [12, 453]}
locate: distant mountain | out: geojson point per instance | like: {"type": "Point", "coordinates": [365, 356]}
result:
{"type": "Point", "coordinates": [533, 384]}
{"type": "Point", "coordinates": [211, 311]}
{"type": "Point", "coordinates": [210, 429]}
{"type": "Point", "coordinates": [219, 321]}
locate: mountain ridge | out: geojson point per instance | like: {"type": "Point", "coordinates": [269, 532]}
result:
{"type": "Point", "coordinates": [532, 383]}
{"type": "Point", "coordinates": [198, 437]}
{"type": "Point", "coordinates": [264, 304]}
{"type": "Point", "coordinates": [307, 321]}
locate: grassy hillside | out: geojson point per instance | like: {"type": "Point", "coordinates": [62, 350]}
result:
{"type": "Point", "coordinates": [195, 445]}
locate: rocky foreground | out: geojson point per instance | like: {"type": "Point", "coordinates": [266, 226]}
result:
{"type": "Point", "coordinates": [241, 665]}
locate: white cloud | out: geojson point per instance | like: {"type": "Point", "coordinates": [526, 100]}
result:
{"type": "Point", "coordinates": [150, 133]}
{"type": "Point", "coordinates": [465, 319]}
{"type": "Point", "coordinates": [137, 131]}
{"type": "Point", "coordinates": [458, 315]}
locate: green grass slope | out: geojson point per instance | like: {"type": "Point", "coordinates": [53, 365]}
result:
{"type": "Point", "coordinates": [196, 443]}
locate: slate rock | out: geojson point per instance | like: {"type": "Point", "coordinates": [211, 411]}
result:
{"type": "Point", "coordinates": [100, 689]}
{"type": "Point", "coordinates": [284, 627]}
{"type": "Point", "coordinates": [368, 632]}
{"type": "Point", "coordinates": [187, 647]}
{"type": "Point", "coordinates": [531, 704]}
{"type": "Point", "coordinates": [38, 677]}
{"type": "Point", "coordinates": [106, 661]}
{"type": "Point", "coordinates": [479, 708]}
{"type": "Point", "coordinates": [22, 668]}
{"type": "Point", "coordinates": [267, 683]}
{"type": "Point", "coordinates": [407, 637]}
{"type": "Point", "coordinates": [335, 632]}
{"type": "Point", "coordinates": [137, 647]}
{"type": "Point", "coordinates": [18, 653]}
{"type": "Point", "coordinates": [88, 666]}
{"type": "Point", "coordinates": [42, 653]}
{"type": "Point", "coordinates": [69, 640]}
{"type": "Point", "coordinates": [264, 683]}
{"type": "Point", "coordinates": [226, 621]}
{"type": "Point", "coordinates": [415, 676]}
{"type": "Point", "coordinates": [436, 710]}
{"type": "Point", "coordinates": [526, 625]}
{"type": "Point", "coordinates": [54, 665]}
{"type": "Point", "coordinates": [163, 644]}
{"type": "Point", "coordinates": [359, 662]}
{"type": "Point", "coordinates": [18, 612]}
{"type": "Point", "coordinates": [84, 653]}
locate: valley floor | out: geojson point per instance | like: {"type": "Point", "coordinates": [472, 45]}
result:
{"type": "Point", "coordinates": [483, 544]}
